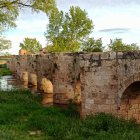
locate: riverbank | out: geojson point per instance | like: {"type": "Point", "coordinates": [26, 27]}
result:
{"type": "Point", "coordinates": [4, 70]}
{"type": "Point", "coordinates": [22, 117]}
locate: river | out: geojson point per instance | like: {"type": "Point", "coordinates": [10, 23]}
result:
{"type": "Point", "coordinates": [10, 83]}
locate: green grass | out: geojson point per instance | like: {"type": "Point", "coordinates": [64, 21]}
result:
{"type": "Point", "coordinates": [22, 117]}
{"type": "Point", "coordinates": [4, 70]}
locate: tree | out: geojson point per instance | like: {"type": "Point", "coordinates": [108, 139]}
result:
{"type": "Point", "coordinates": [66, 31]}
{"type": "Point", "coordinates": [9, 10]}
{"type": "Point", "coordinates": [6, 54]}
{"type": "Point", "coordinates": [31, 45]}
{"type": "Point", "coordinates": [92, 45]}
{"type": "Point", "coordinates": [4, 44]}
{"type": "Point", "coordinates": [118, 45]}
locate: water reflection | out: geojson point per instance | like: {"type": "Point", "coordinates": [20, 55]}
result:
{"type": "Point", "coordinates": [9, 83]}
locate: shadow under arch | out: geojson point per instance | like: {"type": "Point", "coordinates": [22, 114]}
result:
{"type": "Point", "coordinates": [130, 102]}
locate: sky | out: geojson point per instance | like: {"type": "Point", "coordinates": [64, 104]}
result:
{"type": "Point", "coordinates": [111, 18]}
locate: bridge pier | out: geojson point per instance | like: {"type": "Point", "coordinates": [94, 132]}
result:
{"type": "Point", "coordinates": [97, 81]}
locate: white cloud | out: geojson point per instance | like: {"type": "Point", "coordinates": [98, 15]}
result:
{"type": "Point", "coordinates": [125, 17]}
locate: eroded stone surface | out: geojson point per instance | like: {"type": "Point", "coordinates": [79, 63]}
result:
{"type": "Point", "coordinates": [102, 78]}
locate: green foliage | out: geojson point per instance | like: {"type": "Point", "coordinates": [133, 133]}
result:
{"type": "Point", "coordinates": [5, 54]}
{"type": "Point", "coordinates": [66, 31]}
{"type": "Point", "coordinates": [118, 45]}
{"type": "Point", "coordinates": [8, 14]}
{"type": "Point", "coordinates": [4, 44]}
{"type": "Point", "coordinates": [4, 70]}
{"type": "Point", "coordinates": [9, 10]}
{"type": "Point", "coordinates": [47, 6]}
{"type": "Point", "coordinates": [92, 45]}
{"type": "Point", "coordinates": [107, 127]}
{"type": "Point", "coordinates": [31, 45]}
{"type": "Point", "coordinates": [3, 66]}
{"type": "Point", "coordinates": [23, 117]}
{"type": "Point", "coordinates": [72, 109]}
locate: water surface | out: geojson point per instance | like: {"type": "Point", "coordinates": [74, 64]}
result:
{"type": "Point", "coordinates": [10, 83]}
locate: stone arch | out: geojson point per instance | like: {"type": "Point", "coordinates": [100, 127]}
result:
{"type": "Point", "coordinates": [47, 87]}
{"type": "Point", "coordinates": [126, 83]}
{"type": "Point", "coordinates": [130, 102]}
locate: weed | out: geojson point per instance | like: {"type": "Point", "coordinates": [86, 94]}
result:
{"type": "Point", "coordinates": [22, 117]}
{"type": "Point", "coordinates": [4, 70]}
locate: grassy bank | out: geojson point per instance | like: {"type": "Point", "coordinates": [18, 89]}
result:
{"type": "Point", "coordinates": [4, 70]}
{"type": "Point", "coordinates": [22, 117]}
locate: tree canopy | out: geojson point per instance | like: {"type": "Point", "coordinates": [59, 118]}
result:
{"type": "Point", "coordinates": [5, 45]}
{"type": "Point", "coordinates": [66, 31]}
{"type": "Point", "coordinates": [31, 45]}
{"type": "Point", "coordinates": [92, 45]}
{"type": "Point", "coordinates": [9, 10]}
{"type": "Point", "coordinates": [118, 45]}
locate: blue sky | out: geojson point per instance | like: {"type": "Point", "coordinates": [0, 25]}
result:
{"type": "Point", "coordinates": [111, 19]}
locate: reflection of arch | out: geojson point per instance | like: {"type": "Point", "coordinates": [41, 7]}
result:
{"type": "Point", "coordinates": [130, 102]}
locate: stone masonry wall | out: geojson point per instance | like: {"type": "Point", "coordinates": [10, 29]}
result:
{"type": "Point", "coordinates": [58, 68]}
{"type": "Point", "coordinates": [96, 80]}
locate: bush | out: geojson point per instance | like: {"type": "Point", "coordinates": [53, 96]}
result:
{"type": "Point", "coordinates": [3, 66]}
{"type": "Point", "coordinates": [106, 126]}
{"type": "Point", "coordinates": [4, 71]}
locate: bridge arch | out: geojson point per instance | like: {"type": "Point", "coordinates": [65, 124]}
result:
{"type": "Point", "coordinates": [126, 83]}
{"type": "Point", "coordinates": [129, 106]}
{"type": "Point", "coordinates": [47, 88]}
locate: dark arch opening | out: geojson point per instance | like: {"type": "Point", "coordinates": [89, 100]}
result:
{"type": "Point", "coordinates": [132, 91]}
{"type": "Point", "coordinates": [130, 102]}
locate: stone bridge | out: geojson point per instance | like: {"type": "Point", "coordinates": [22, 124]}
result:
{"type": "Point", "coordinates": [99, 82]}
